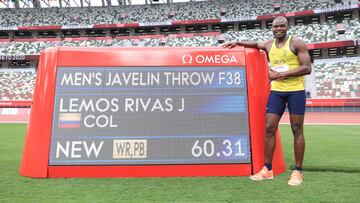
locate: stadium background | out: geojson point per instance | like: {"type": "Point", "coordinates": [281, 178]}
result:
{"type": "Point", "coordinates": [331, 30]}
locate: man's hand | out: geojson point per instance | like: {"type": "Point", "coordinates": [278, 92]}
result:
{"type": "Point", "coordinates": [274, 75]}
{"type": "Point", "coordinates": [230, 45]}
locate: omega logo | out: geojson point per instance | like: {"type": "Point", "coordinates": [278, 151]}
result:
{"type": "Point", "coordinates": [201, 59]}
{"type": "Point", "coordinates": [187, 58]}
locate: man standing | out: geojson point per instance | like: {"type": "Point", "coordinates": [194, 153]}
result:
{"type": "Point", "coordinates": [290, 61]}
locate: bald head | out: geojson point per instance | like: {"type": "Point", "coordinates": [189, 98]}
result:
{"type": "Point", "coordinates": [280, 19]}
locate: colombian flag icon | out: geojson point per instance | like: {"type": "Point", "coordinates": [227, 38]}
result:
{"type": "Point", "coordinates": [69, 120]}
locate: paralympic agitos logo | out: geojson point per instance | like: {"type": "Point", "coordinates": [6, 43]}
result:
{"type": "Point", "coordinates": [209, 59]}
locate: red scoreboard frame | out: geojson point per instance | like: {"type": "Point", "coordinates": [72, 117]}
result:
{"type": "Point", "coordinates": [35, 159]}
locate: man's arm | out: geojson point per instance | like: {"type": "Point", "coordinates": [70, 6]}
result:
{"type": "Point", "coordinates": [256, 45]}
{"type": "Point", "coordinates": [305, 62]}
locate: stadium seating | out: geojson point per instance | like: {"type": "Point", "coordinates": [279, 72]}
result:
{"type": "Point", "coordinates": [312, 33]}
{"type": "Point", "coordinates": [147, 13]}
{"type": "Point", "coordinates": [136, 42]}
{"type": "Point", "coordinates": [309, 33]}
{"type": "Point", "coordinates": [248, 35]}
{"type": "Point", "coordinates": [84, 43]}
{"type": "Point", "coordinates": [27, 48]}
{"type": "Point", "coordinates": [259, 7]}
{"type": "Point", "coordinates": [17, 84]}
{"type": "Point", "coordinates": [337, 79]}
{"type": "Point", "coordinates": [195, 41]}
{"type": "Point", "coordinates": [3, 46]}
{"type": "Point", "coordinates": [152, 13]}
{"type": "Point", "coordinates": [198, 10]}
{"type": "Point", "coordinates": [326, 32]}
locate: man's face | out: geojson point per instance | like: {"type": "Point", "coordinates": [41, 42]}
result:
{"type": "Point", "coordinates": [279, 28]}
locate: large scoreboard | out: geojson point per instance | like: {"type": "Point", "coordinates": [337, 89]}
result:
{"type": "Point", "coordinates": [123, 112]}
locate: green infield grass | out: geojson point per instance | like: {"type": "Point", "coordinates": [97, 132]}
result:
{"type": "Point", "coordinates": [332, 174]}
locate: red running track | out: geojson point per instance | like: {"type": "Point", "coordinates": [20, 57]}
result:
{"type": "Point", "coordinates": [327, 118]}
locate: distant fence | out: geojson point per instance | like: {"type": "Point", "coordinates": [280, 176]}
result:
{"type": "Point", "coordinates": [15, 104]}
{"type": "Point", "coordinates": [333, 105]}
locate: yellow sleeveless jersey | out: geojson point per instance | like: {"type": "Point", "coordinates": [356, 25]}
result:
{"type": "Point", "coordinates": [283, 59]}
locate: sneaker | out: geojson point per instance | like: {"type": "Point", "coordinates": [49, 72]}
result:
{"type": "Point", "coordinates": [296, 178]}
{"type": "Point", "coordinates": [263, 174]}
